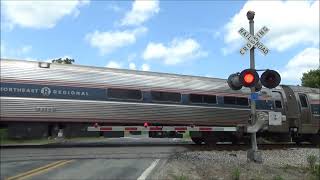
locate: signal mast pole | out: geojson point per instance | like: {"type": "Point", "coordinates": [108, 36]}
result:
{"type": "Point", "coordinates": [253, 154]}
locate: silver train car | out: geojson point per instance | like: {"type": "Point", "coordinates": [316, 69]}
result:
{"type": "Point", "coordinates": [41, 97]}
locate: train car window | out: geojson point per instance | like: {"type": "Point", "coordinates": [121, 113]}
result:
{"type": "Point", "coordinates": [210, 99]}
{"type": "Point", "coordinates": [278, 99]}
{"type": "Point", "coordinates": [206, 99]}
{"type": "Point", "coordinates": [278, 104]}
{"type": "Point", "coordinates": [303, 100]}
{"type": "Point", "coordinates": [242, 101]}
{"type": "Point", "coordinates": [166, 96]}
{"type": "Point", "coordinates": [124, 94]}
{"type": "Point", "coordinates": [236, 100]}
{"type": "Point", "coordinates": [195, 98]}
{"type": "Point", "coordinates": [229, 100]}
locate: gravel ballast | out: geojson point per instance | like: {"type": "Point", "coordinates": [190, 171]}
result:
{"type": "Point", "coordinates": [285, 163]}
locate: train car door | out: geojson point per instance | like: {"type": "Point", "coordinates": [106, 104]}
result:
{"type": "Point", "coordinates": [305, 118]}
{"type": "Point", "coordinates": [278, 104]}
{"type": "Point", "coordinates": [292, 107]}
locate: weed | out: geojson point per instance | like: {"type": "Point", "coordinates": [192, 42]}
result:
{"type": "Point", "coordinates": [278, 177]}
{"type": "Point", "coordinates": [186, 135]}
{"type": "Point", "coordinates": [235, 174]}
{"type": "Point", "coordinates": [312, 159]}
{"type": "Point", "coordinates": [181, 177]}
{"type": "Point", "coordinates": [316, 171]}
{"type": "Point", "coordinates": [3, 134]}
{"type": "Point", "coordinates": [313, 167]}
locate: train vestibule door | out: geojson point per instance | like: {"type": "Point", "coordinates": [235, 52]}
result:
{"type": "Point", "coordinates": [305, 119]}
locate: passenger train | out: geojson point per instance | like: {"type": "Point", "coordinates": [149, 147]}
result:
{"type": "Point", "coordinates": [39, 98]}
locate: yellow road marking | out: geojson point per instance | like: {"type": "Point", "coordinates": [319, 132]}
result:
{"type": "Point", "coordinates": [39, 170]}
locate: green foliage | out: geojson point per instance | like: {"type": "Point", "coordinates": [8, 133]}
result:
{"type": "Point", "coordinates": [316, 171]}
{"type": "Point", "coordinates": [235, 174]}
{"type": "Point", "coordinates": [314, 167]}
{"type": "Point", "coordinates": [181, 177]}
{"type": "Point", "coordinates": [3, 134]}
{"type": "Point", "coordinates": [186, 135]}
{"type": "Point", "coordinates": [63, 61]}
{"type": "Point", "coordinates": [312, 159]}
{"type": "Point", "coordinates": [278, 177]}
{"type": "Point", "coordinates": [311, 79]}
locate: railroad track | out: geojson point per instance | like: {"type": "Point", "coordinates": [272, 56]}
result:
{"type": "Point", "coordinates": [235, 147]}
{"type": "Point", "coordinates": [186, 144]}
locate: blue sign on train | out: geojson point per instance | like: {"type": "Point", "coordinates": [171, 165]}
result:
{"type": "Point", "coordinates": [254, 96]}
{"type": "Point", "coordinates": [49, 91]}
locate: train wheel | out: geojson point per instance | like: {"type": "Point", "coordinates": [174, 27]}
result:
{"type": "Point", "coordinates": [235, 141]}
{"type": "Point", "coordinates": [197, 140]}
{"type": "Point", "coordinates": [210, 138]}
{"type": "Point", "coordinates": [297, 140]}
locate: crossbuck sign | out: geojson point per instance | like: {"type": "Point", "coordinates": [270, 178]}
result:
{"type": "Point", "coordinates": [253, 41]}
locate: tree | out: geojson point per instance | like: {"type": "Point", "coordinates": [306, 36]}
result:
{"type": "Point", "coordinates": [63, 61]}
{"type": "Point", "coordinates": [311, 79]}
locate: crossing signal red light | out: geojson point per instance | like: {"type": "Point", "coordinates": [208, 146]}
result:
{"type": "Point", "coordinates": [270, 79]}
{"type": "Point", "coordinates": [249, 78]}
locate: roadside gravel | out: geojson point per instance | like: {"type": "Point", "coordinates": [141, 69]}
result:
{"type": "Point", "coordinates": [287, 163]}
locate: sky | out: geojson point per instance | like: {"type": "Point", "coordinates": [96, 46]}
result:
{"type": "Point", "coordinates": [183, 37]}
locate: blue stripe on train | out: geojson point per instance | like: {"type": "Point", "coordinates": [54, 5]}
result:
{"type": "Point", "coordinates": [48, 91]}
{"type": "Point", "coordinates": [80, 93]}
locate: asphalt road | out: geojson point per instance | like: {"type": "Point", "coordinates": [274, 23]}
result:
{"type": "Point", "coordinates": [121, 158]}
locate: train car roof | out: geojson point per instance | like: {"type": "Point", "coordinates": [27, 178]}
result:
{"type": "Point", "coordinates": [194, 82]}
{"type": "Point", "coordinates": [305, 89]}
{"type": "Point", "coordinates": [97, 68]}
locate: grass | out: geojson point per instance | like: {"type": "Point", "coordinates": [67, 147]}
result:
{"type": "Point", "coordinates": [29, 141]}
{"type": "Point", "coordinates": [180, 177]}
{"type": "Point", "coordinates": [278, 177]}
{"type": "Point", "coordinates": [235, 174]}
{"type": "Point", "coordinates": [312, 159]}
{"type": "Point", "coordinates": [295, 168]}
{"type": "Point", "coordinates": [3, 133]}
{"type": "Point", "coordinates": [313, 166]}
{"type": "Point", "coordinates": [4, 140]}
{"type": "Point", "coordinates": [85, 138]}
{"type": "Point", "coordinates": [186, 135]}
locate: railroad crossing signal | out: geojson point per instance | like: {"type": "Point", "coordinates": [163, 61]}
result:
{"type": "Point", "coordinates": [253, 41]}
{"type": "Point", "coordinates": [250, 78]}
{"type": "Point", "coordinates": [247, 78]}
